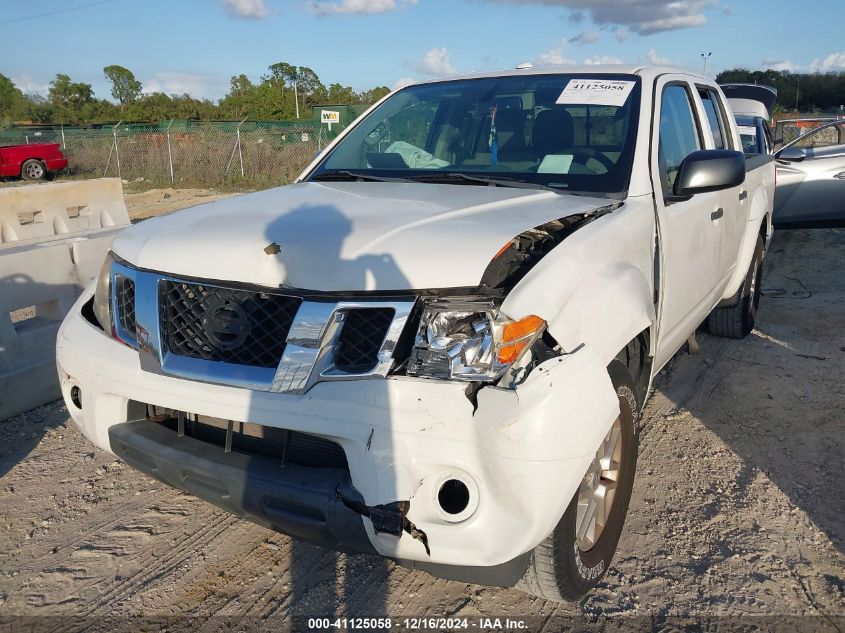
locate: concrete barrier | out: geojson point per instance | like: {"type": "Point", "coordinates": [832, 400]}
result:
{"type": "Point", "coordinates": [53, 238]}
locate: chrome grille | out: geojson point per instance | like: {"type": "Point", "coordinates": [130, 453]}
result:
{"type": "Point", "coordinates": [125, 295]}
{"type": "Point", "coordinates": [361, 339]}
{"type": "Point", "coordinates": [252, 338]}
{"type": "Point", "coordinates": [225, 325]}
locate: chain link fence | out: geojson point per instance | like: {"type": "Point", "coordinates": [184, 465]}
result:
{"type": "Point", "coordinates": [253, 154]}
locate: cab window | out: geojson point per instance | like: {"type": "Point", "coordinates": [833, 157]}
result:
{"type": "Point", "coordinates": [715, 118]}
{"type": "Point", "coordinates": [678, 133]}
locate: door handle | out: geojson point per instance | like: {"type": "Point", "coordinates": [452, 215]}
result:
{"type": "Point", "coordinates": [718, 213]}
{"type": "Point", "coordinates": [743, 195]}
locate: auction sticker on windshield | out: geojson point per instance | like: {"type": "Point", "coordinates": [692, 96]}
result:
{"type": "Point", "coordinates": [595, 92]}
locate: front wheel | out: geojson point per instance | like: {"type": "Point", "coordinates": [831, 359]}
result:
{"type": "Point", "coordinates": [576, 555]}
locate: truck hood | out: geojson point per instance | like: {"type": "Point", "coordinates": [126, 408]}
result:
{"type": "Point", "coordinates": [348, 236]}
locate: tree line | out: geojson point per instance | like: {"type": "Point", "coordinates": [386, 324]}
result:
{"type": "Point", "coordinates": [273, 97]}
{"type": "Point", "coordinates": [814, 91]}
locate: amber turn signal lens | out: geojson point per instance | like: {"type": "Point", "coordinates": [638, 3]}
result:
{"type": "Point", "coordinates": [509, 354]}
{"type": "Point", "coordinates": [516, 335]}
{"type": "Point", "coordinates": [503, 250]}
{"type": "Point", "coordinates": [516, 330]}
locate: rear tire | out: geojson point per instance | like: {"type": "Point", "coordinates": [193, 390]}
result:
{"type": "Point", "coordinates": [737, 321]}
{"type": "Point", "coordinates": [564, 567]}
{"type": "Point", "coordinates": [33, 169]}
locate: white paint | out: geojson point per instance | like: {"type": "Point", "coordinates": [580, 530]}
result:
{"type": "Point", "coordinates": [748, 107]}
{"type": "Point", "coordinates": [346, 236]}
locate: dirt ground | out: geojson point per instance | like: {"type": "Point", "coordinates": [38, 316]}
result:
{"type": "Point", "coordinates": [145, 204]}
{"type": "Point", "coordinates": [737, 520]}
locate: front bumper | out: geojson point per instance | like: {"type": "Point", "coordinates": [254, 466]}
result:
{"type": "Point", "coordinates": [300, 501]}
{"type": "Point", "coordinates": [522, 453]}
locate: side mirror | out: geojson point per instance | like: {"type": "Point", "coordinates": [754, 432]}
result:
{"type": "Point", "coordinates": [792, 154]}
{"type": "Point", "coordinates": [709, 170]}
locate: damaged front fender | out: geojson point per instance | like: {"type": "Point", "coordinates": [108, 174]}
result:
{"type": "Point", "coordinates": [523, 451]}
{"type": "Point", "coordinates": [571, 403]}
{"type": "Point", "coordinates": [598, 287]}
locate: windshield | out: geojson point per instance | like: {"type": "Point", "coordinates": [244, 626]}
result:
{"type": "Point", "coordinates": [570, 132]}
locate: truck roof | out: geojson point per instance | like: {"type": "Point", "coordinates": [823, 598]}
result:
{"type": "Point", "coordinates": [647, 72]}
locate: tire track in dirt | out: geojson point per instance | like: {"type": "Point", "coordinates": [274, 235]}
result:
{"type": "Point", "coordinates": [119, 589]}
{"type": "Point", "coordinates": [59, 553]}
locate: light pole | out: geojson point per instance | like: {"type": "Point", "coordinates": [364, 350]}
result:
{"type": "Point", "coordinates": [704, 59]}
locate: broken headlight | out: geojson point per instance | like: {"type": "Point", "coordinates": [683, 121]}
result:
{"type": "Point", "coordinates": [469, 340]}
{"type": "Point", "coordinates": [102, 295]}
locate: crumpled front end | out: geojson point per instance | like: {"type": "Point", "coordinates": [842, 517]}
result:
{"type": "Point", "coordinates": [428, 470]}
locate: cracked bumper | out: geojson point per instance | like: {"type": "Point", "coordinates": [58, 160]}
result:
{"type": "Point", "coordinates": [522, 452]}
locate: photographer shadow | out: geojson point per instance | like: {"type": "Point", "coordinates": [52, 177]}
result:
{"type": "Point", "coordinates": [325, 583]}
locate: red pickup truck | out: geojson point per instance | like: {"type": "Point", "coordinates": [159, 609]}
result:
{"type": "Point", "coordinates": [31, 162]}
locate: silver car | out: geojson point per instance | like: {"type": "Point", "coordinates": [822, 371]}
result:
{"type": "Point", "coordinates": [811, 178]}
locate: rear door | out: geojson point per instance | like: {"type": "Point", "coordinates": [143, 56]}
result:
{"type": "Point", "coordinates": [733, 203]}
{"type": "Point", "coordinates": [813, 190]}
{"type": "Point", "coordinates": [690, 232]}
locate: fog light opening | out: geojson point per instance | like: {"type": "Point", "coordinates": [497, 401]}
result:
{"type": "Point", "coordinates": [76, 397]}
{"type": "Point", "coordinates": [453, 496]}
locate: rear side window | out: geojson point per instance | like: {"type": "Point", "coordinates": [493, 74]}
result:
{"type": "Point", "coordinates": [678, 134]}
{"type": "Point", "coordinates": [715, 119]}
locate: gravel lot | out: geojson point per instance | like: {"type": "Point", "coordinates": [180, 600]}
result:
{"type": "Point", "coordinates": [738, 513]}
{"type": "Point", "coordinates": [145, 204]}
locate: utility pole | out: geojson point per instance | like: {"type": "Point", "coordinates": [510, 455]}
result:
{"type": "Point", "coordinates": [704, 59]}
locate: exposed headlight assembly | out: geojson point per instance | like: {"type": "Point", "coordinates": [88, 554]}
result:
{"type": "Point", "coordinates": [469, 340]}
{"type": "Point", "coordinates": [102, 295]}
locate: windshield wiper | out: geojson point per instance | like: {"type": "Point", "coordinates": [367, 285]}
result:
{"type": "Point", "coordinates": [453, 177]}
{"type": "Point", "coordinates": [346, 175]}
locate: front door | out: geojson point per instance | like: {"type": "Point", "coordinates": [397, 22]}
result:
{"type": "Point", "coordinates": [690, 230]}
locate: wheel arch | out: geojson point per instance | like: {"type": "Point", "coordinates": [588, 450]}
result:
{"type": "Point", "coordinates": [26, 160]}
{"type": "Point", "coordinates": [759, 224]}
{"type": "Point", "coordinates": [596, 288]}
{"type": "Point", "coordinates": [606, 311]}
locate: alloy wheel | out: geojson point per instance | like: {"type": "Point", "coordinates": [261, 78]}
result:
{"type": "Point", "coordinates": [598, 489]}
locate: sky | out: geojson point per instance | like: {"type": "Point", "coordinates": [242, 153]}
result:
{"type": "Point", "coordinates": [195, 46]}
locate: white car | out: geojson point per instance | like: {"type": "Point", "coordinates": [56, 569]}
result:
{"type": "Point", "coordinates": [436, 344]}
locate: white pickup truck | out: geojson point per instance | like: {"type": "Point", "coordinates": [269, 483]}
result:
{"type": "Point", "coordinates": [436, 344]}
